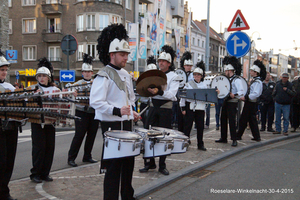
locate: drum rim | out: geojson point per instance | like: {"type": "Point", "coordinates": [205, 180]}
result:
{"type": "Point", "coordinates": [106, 134]}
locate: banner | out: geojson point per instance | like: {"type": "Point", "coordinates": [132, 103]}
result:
{"type": "Point", "coordinates": [162, 23]}
{"type": "Point", "coordinates": [133, 36]}
{"type": "Point", "coordinates": [153, 29]}
{"type": "Point", "coordinates": [143, 39]}
{"type": "Point", "coordinates": [188, 33]}
{"type": "Point", "coordinates": [177, 41]}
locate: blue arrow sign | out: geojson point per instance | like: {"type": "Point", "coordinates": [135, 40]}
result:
{"type": "Point", "coordinates": [67, 76]}
{"type": "Point", "coordinates": [238, 44]}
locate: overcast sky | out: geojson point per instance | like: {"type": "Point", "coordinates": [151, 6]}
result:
{"type": "Point", "coordinates": [277, 23]}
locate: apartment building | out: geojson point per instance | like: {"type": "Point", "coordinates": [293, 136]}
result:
{"type": "Point", "coordinates": [37, 27]}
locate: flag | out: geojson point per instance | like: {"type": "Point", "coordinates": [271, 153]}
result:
{"type": "Point", "coordinates": [133, 35]}
{"type": "Point", "coordinates": [188, 33]}
{"type": "Point", "coordinates": [162, 23]}
{"type": "Point", "coordinates": [177, 40]}
{"type": "Point", "coordinates": [143, 41]}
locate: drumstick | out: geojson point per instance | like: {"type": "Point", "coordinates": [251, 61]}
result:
{"type": "Point", "coordinates": [143, 111]}
{"type": "Point", "coordinates": [126, 96]}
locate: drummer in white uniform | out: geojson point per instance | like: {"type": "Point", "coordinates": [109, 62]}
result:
{"type": "Point", "coordinates": [195, 110]}
{"type": "Point", "coordinates": [258, 74]}
{"type": "Point", "coordinates": [113, 99]}
{"type": "Point", "coordinates": [160, 113]}
{"type": "Point", "coordinates": [232, 68]}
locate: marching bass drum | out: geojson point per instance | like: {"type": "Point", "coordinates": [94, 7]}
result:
{"type": "Point", "coordinates": [182, 75]}
{"type": "Point", "coordinates": [222, 83]}
{"type": "Point", "coordinates": [244, 86]}
{"type": "Point", "coordinates": [120, 144]}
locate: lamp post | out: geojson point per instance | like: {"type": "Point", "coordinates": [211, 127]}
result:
{"type": "Point", "coordinates": [259, 38]}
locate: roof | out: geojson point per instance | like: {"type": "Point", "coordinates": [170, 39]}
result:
{"type": "Point", "coordinates": [212, 33]}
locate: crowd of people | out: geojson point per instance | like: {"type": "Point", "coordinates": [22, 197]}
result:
{"type": "Point", "coordinates": [113, 101]}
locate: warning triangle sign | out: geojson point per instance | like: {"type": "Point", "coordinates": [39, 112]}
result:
{"type": "Point", "coordinates": [238, 22]}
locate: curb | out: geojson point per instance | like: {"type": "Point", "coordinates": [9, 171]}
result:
{"type": "Point", "coordinates": [161, 182]}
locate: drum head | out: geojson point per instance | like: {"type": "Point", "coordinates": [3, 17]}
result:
{"type": "Point", "coordinates": [244, 86]}
{"type": "Point", "coordinates": [181, 74]}
{"type": "Point", "coordinates": [146, 132]}
{"type": "Point", "coordinates": [222, 83]}
{"type": "Point", "coordinates": [122, 135]}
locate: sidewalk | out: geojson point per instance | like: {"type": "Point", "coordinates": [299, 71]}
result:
{"type": "Point", "coordinates": [85, 182]}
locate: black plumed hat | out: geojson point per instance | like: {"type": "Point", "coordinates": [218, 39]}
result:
{"type": "Point", "coordinates": [87, 59]}
{"type": "Point", "coordinates": [170, 50]}
{"type": "Point", "coordinates": [151, 60]}
{"type": "Point", "coordinates": [107, 35]}
{"type": "Point", "coordinates": [232, 60]}
{"type": "Point", "coordinates": [185, 56]}
{"type": "Point", "coordinates": [201, 65]}
{"type": "Point", "coordinates": [263, 71]}
{"type": "Point", "coordinates": [44, 62]}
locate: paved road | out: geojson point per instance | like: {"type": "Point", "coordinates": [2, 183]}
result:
{"type": "Point", "coordinates": [270, 172]}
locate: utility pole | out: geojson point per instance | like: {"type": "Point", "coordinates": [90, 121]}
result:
{"type": "Point", "coordinates": [207, 50]}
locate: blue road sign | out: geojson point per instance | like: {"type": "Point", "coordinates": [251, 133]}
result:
{"type": "Point", "coordinates": [238, 44]}
{"type": "Point", "coordinates": [67, 76]}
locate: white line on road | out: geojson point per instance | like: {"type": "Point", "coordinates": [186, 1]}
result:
{"type": "Point", "coordinates": [39, 189]}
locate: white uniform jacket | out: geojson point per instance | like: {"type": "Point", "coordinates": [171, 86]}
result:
{"type": "Point", "coordinates": [105, 95]}
{"type": "Point", "coordinates": [198, 105]}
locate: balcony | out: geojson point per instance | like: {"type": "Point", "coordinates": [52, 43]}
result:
{"type": "Point", "coordinates": [52, 7]}
{"type": "Point", "coordinates": [50, 36]}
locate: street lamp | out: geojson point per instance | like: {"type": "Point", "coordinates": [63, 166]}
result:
{"type": "Point", "coordinates": [259, 38]}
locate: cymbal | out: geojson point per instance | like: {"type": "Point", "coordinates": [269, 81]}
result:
{"type": "Point", "coordinates": [152, 72]}
{"type": "Point", "coordinates": [150, 79]}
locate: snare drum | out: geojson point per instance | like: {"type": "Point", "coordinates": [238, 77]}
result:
{"type": "Point", "coordinates": [120, 144]}
{"type": "Point", "coordinates": [180, 140]}
{"type": "Point", "coordinates": [222, 83]}
{"type": "Point", "coordinates": [155, 143]}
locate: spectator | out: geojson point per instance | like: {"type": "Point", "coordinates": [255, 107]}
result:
{"type": "Point", "coordinates": [283, 93]}
{"type": "Point", "coordinates": [296, 105]}
{"type": "Point", "coordinates": [267, 104]}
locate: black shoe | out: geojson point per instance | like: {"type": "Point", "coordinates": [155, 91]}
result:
{"type": "Point", "coordinates": [217, 128]}
{"type": "Point", "coordinates": [221, 141]}
{"type": "Point", "coordinates": [202, 148]}
{"type": "Point", "coordinates": [285, 133]}
{"type": "Point", "coordinates": [257, 140]}
{"type": "Point", "coordinates": [10, 198]}
{"type": "Point", "coordinates": [36, 179]}
{"type": "Point", "coordinates": [234, 143]}
{"type": "Point", "coordinates": [294, 130]}
{"type": "Point", "coordinates": [72, 163]}
{"type": "Point", "coordinates": [164, 171]}
{"type": "Point", "coordinates": [146, 168]}
{"type": "Point", "coordinates": [189, 142]}
{"type": "Point", "coordinates": [271, 130]}
{"type": "Point", "coordinates": [48, 178]}
{"type": "Point", "coordinates": [90, 160]}
{"type": "Point", "coordinates": [276, 132]}
{"type": "Point", "coordinates": [262, 129]}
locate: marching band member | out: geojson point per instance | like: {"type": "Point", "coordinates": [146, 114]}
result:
{"type": "Point", "coordinates": [258, 74]}
{"type": "Point", "coordinates": [160, 112]}
{"type": "Point", "coordinates": [192, 110]}
{"type": "Point", "coordinates": [186, 64]}
{"type": "Point", "coordinates": [8, 138]}
{"type": "Point", "coordinates": [232, 68]}
{"type": "Point", "coordinates": [113, 99]}
{"type": "Point", "coordinates": [88, 125]}
{"type": "Point", "coordinates": [151, 64]}
{"type": "Point", "coordinates": [43, 137]}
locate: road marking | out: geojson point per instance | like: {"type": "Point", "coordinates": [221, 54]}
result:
{"type": "Point", "coordinates": [39, 189]}
{"type": "Point", "coordinates": [25, 136]}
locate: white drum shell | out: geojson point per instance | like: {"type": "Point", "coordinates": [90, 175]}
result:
{"type": "Point", "coordinates": [223, 84]}
{"type": "Point", "coordinates": [161, 148]}
{"type": "Point", "coordinates": [120, 148]}
{"type": "Point", "coordinates": [180, 145]}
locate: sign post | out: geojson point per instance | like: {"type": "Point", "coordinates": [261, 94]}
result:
{"type": "Point", "coordinates": [238, 22]}
{"type": "Point", "coordinates": [69, 46]}
{"type": "Point", "coordinates": [67, 75]}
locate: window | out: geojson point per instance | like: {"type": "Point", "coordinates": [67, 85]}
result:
{"type": "Point", "coordinates": [10, 26]}
{"type": "Point", "coordinates": [79, 52]}
{"type": "Point", "coordinates": [29, 26]}
{"type": "Point", "coordinates": [54, 54]}
{"type": "Point", "coordinates": [193, 41]}
{"type": "Point", "coordinates": [92, 50]}
{"type": "Point", "coordinates": [128, 4]}
{"type": "Point", "coordinates": [52, 1]}
{"type": "Point", "coordinates": [80, 23]}
{"type": "Point", "coordinates": [202, 44]}
{"type": "Point", "coordinates": [115, 19]}
{"type": "Point", "coordinates": [198, 43]}
{"type": "Point", "coordinates": [9, 3]}
{"type": "Point", "coordinates": [29, 53]}
{"type": "Point", "coordinates": [103, 21]}
{"type": "Point", "coordinates": [118, 2]}
{"type": "Point", "coordinates": [28, 2]}
{"type": "Point", "coordinates": [54, 25]}
{"type": "Point", "coordinates": [90, 22]}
